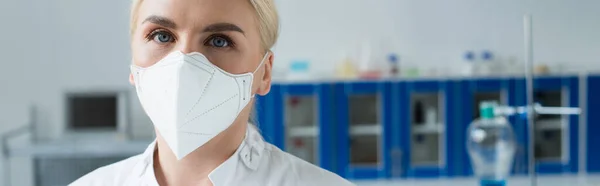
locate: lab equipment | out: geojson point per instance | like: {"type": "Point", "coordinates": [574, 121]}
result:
{"type": "Point", "coordinates": [486, 66]}
{"type": "Point", "coordinates": [412, 72]}
{"type": "Point", "coordinates": [491, 146]}
{"type": "Point", "coordinates": [369, 63]}
{"type": "Point", "coordinates": [394, 65]}
{"type": "Point", "coordinates": [470, 67]}
{"type": "Point", "coordinates": [431, 116]}
{"type": "Point", "coordinates": [542, 69]}
{"type": "Point", "coordinates": [346, 69]}
{"type": "Point", "coordinates": [299, 70]}
{"type": "Point", "coordinates": [418, 113]}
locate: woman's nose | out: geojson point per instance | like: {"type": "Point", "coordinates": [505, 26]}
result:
{"type": "Point", "coordinates": [188, 45]}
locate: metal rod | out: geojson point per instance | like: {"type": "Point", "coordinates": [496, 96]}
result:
{"type": "Point", "coordinates": [557, 110]}
{"type": "Point", "coordinates": [7, 179]}
{"type": "Point", "coordinates": [528, 31]}
{"type": "Point", "coordinates": [5, 137]}
{"type": "Point", "coordinates": [537, 109]}
{"type": "Point", "coordinates": [6, 165]}
{"type": "Point", "coordinates": [6, 152]}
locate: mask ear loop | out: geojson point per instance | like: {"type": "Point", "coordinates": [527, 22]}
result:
{"type": "Point", "coordinates": [262, 62]}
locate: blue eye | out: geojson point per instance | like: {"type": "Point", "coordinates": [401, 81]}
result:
{"type": "Point", "coordinates": [219, 42]}
{"type": "Point", "coordinates": [162, 37]}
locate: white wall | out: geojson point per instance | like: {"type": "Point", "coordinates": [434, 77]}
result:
{"type": "Point", "coordinates": [438, 32]}
{"type": "Point", "coordinates": [49, 47]}
{"type": "Point", "coordinates": [94, 54]}
{"type": "Point", "coordinates": [21, 51]}
{"type": "Point", "coordinates": [57, 46]}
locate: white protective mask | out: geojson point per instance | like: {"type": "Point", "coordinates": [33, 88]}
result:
{"type": "Point", "coordinates": [190, 100]}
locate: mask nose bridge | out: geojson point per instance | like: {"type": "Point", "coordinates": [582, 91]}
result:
{"type": "Point", "coordinates": [199, 60]}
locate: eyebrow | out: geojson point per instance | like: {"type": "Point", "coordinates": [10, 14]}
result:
{"type": "Point", "coordinates": [162, 21]}
{"type": "Point", "coordinates": [222, 27]}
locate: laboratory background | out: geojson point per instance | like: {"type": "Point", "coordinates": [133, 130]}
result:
{"type": "Point", "coordinates": [380, 92]}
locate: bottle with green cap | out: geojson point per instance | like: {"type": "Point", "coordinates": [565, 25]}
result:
{"type": "Point", "coordinates": [491, 146]}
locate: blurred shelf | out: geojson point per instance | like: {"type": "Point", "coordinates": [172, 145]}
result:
{"type": "Point", "coordinates": [426, 164]}
{"type": "Point", "coordinates": [309, 131]}
{"type": "Point", "coordinates": [435, 128]}
{"type": "Point", "coordinates": [549, 124]}
{"type": "Point", "coordinates": [365, 129]}
{"type": "Point", "coordinates": [550, 160]}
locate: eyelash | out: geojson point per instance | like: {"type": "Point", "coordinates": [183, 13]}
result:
{"type": "Point", "coordinates": [230, 43]}
{"type": "Point", "coordinates": [152, 35]}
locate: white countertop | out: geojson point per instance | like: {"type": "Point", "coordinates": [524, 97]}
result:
{"type": "Point", "coordinates": [91, 146]}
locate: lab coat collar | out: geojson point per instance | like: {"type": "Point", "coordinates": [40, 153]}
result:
{"type": "Point", "coordinates": [148, 159]}
{"type": "Point", "coordinates": [249, 153]}
{"type": "Point", "coordinates": [252, 148]}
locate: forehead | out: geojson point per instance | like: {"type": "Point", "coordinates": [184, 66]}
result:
{"type": "Point", "coordinates": [199, 13]}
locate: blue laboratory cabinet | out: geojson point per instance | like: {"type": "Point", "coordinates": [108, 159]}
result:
{"type": "Point", "coordinates": [427, 131]}
{"type": "Point", "coordinates": [388, 129]}
{"type": "Point", "coordinates": [555, 136]}
{"type": "Point", "coordinates": [593, 123]}
{"type": "Point", "coordinates": [297, 117]}
{"type": "Point", "coordinates": [363, 129]}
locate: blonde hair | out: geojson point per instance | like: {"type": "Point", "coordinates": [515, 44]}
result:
{"type": "Point", "coordinates": [266, 14]}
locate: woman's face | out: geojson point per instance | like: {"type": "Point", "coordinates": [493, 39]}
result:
{"type": "Point", "coordinates": [225, 31]}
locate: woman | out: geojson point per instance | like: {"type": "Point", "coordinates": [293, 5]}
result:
{"type": "Point", "coordinates": [197, 65]}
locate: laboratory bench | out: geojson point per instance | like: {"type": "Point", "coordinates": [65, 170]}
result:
{"type": "Point", "coordinates": [416, 128]}
{"type": "Point", "coordinates": [62, 161]}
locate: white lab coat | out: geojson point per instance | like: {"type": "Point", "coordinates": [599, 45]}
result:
{"type": "Point", "coordinates": [255, 163]}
